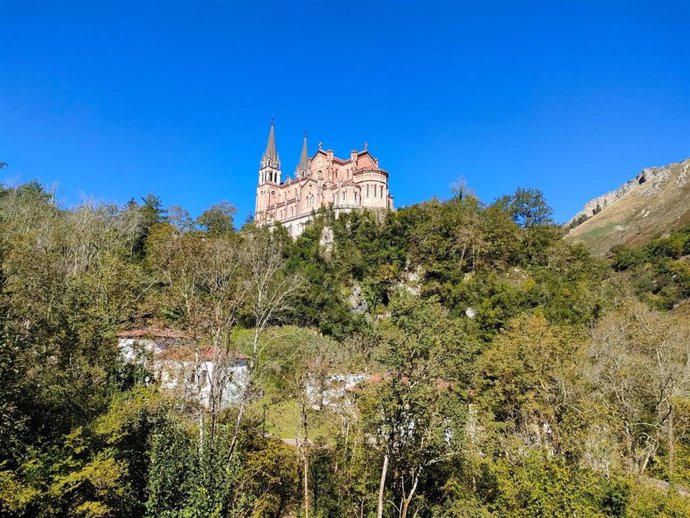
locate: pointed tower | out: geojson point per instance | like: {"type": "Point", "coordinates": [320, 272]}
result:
{"type": "Point", "coordinates": [269, 176]}
{"type": "Point", "coordinates": [302, 169]}
{"type": "Point", "coordinates": [269, 168]}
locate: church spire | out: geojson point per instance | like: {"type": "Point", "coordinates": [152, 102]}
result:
{"type": "Point", "coordinates": [303, 165]}
{"type": "Point", "coordinates": [269, 169]}
{"type": "Point", "coordinates": [271, 158]}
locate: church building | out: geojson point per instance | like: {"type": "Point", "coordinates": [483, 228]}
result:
{"type": "Point", "coordinates": [320, 181]}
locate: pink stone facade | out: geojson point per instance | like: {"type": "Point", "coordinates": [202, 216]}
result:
{"type": "Point", "coordinates": [320, 181]}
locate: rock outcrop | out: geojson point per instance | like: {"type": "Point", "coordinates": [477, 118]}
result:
{"type": "Point", "coordinates": [326, 242]}
{"type": "Point", "coordinates": [656, 201]}
{"type": "Point", "coordinates": [596, 205]}
{"type": "Point", "coordinates": [358, 303]}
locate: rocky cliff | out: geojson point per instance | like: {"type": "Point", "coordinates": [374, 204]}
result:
{"type": "Point", "coordinates": [655, 201]}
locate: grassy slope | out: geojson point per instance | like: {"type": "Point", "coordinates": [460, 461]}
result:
{"type": "Point", "coordinates": [282, 421]}
{"type": "Point", "coordinates": [648, 211]}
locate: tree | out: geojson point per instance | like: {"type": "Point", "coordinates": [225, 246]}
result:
{"type": "Point", "coordinates": [218, 219]}
{"type": "Point", "coordinates": [204, 284]}
{"type": "Point", "coordinates": [414, 413]}
{"type": "Point", "coordinates": [179, 218]}
{"type": "Point", "coordinates": [267, 288]}
{"type": "Point", "coordinates": [528, 383]}
{"type": "Point", "coordinates": [152, 210]}
{"type": "Point", "coordinates": [640, 364]}
{"type": "Point", "coordinates": [528, 207]}
{"type": "Point", "coordinates": [300, 367]}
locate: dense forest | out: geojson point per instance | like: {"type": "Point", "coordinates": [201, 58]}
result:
{"type": "Point", "coordinates": [505, 372]}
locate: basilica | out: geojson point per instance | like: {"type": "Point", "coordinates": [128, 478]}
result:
{"type": "Point", "coordinates": [323, 180]}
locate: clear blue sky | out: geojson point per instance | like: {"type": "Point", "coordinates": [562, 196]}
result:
{"type": "Point", "coordinates": [118, 99]}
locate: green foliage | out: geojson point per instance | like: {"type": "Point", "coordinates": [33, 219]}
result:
{"type": "Point", "coordinates": [527, 207]}
{"type": "Point", "coordinates": [507, 372]}
{"type": "Point", "coordinates": [650, 502]}
{"type": "Point", "coordinates": [660, 270]}
{"type": "Point", "coordinates": [581, 219]}
{"type": "Point", "coordinates": [218, 219]}
{"type": "Point", "coordinates": [526, 377]}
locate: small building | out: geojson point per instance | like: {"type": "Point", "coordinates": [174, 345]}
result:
{"type": "Point", "coordinates": [184, 369]}
{"type": "Point", "coordinates": [141, 345]}
{"type": "Point", "coordinates": [333, 389]}
{"type": "Point", "coordinates": [207, 373]}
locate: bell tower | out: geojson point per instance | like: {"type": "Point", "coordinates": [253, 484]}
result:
{"type": "Point", "coordinates": [269, 168]}
{"type": "Point", "coordinates": [269, 175]}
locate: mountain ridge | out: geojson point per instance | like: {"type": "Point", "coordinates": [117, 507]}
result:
{"type": "Point", "coordinates": [652, 203]}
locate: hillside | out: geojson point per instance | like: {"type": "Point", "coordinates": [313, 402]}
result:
{"type": "Point", "coordinates": [458, 358]}
{"type": "Point", "coordinates": [656, 201]}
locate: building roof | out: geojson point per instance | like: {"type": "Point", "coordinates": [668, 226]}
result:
{"type": "Point", "coordinates": [345, 161]}
{"type": "Point", "coordinates": [380, 377]}
{"type": "Point", "coordinates": [152, 332]}
{"type": "Point", "coordinates": [188, 353]}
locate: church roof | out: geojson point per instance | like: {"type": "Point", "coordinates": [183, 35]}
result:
{"type": "Point", "coordinates": [271, 155]}
{"type": "Point", "coordinates": [343, 161]}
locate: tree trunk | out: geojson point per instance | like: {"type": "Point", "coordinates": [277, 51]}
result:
{"type": "Point", "coordinates": [236, 431]}
{"type": "Point", "coordinates": [303, 433]}
{"type": "Point", "coordinates": [408, 499]}
{"type": "Point", "coordinates": [201, 406]}
{"type": "Point", "coordinates": [671, 445]}
{"type": "Point", "coordinates": [247, 391]}
{"type": "Point", "coordinates": [201, 432]}
{"type": "Point", "coordinates": [345, 444]}
{"type": "Point", "coordinates": [305, 461]}
{"type": "Point", "coordinates": [403, 508]}
{"type": "Point", "coordinates": [382, 485]}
